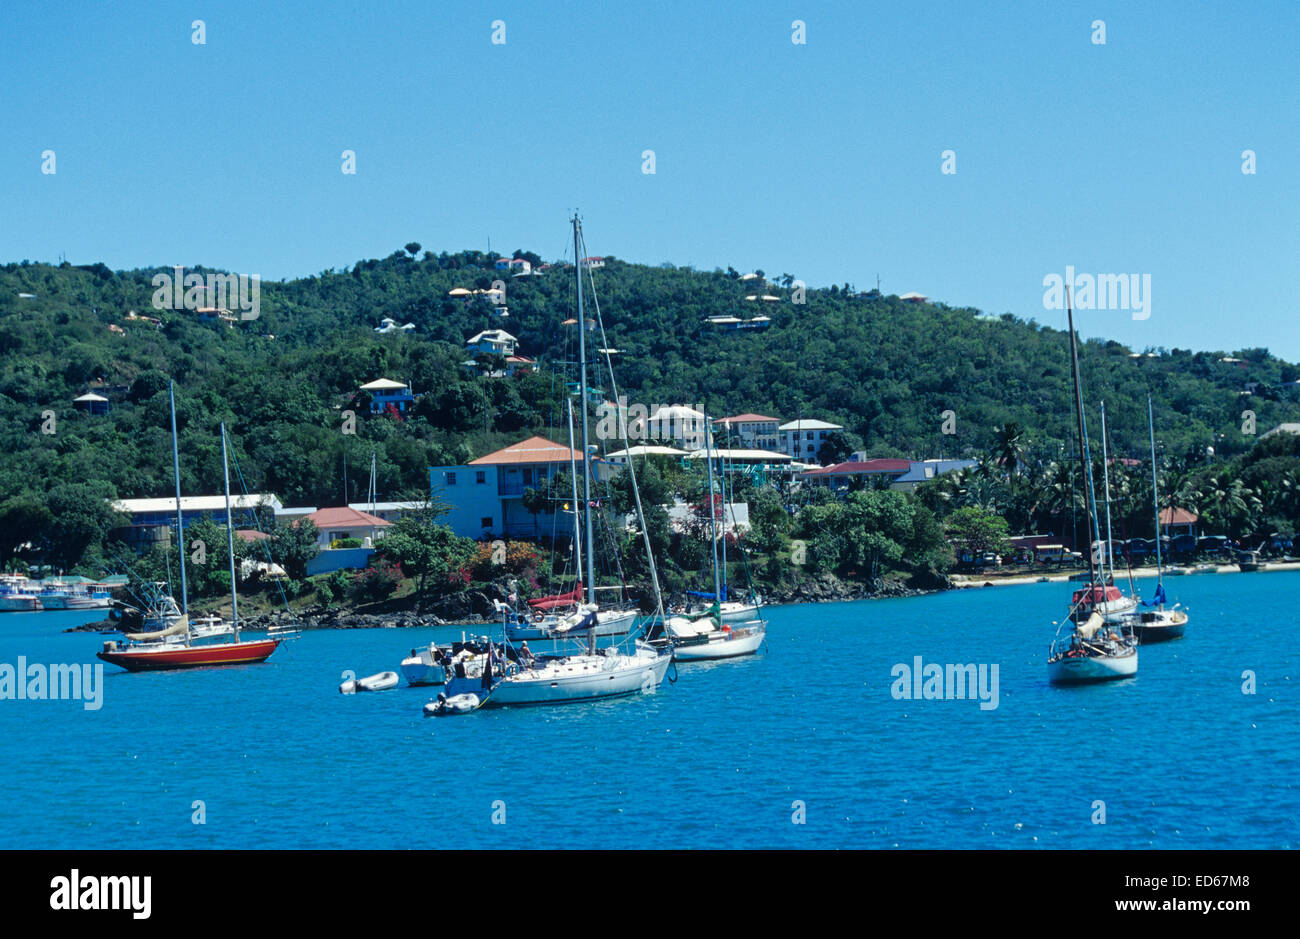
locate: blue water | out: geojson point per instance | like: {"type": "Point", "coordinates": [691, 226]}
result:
{"type": "Point", "coordinates": [1180, 756]}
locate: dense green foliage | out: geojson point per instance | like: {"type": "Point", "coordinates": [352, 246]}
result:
{"type": "Point", "coordinates": [885, 369]}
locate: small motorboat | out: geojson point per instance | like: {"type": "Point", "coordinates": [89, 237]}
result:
{"type": "Point", "coordinates": [381, 681]}
{"type": "Point", "coordinates": [456, 704]}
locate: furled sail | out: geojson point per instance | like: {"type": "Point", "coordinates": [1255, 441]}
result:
{"type": "Point", "coordinates": [178, 628]}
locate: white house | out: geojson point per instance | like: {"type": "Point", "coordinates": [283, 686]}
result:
{"type": "Point", "coordinates": [754, 431]}
{"type": "Point", "coordinates": [803, 439]}
{"type": "Point", "coordinates": [492, 342]}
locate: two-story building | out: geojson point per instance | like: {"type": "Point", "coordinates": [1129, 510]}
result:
{"type": "Point", "coordinates": [152, 521]}
{"type": "Point", "coordinates": [384, 391]}
{"type": "Point", "coordinates": [803, 439]}
{"type": "Point", "coordinates": [751, 431]}
{"type": "Point", "coordinates": [487, 494]}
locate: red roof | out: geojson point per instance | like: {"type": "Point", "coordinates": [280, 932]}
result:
{"type": "Point", "coordinates": [344, 517]}
{"type": "Point", "coordinates": [532, 450]}
{"type": "Point", "coordinates": [1178, 517]}
{"type": "Point", "coordinates": [862, 466]}
{"type": "Point", "coordinates": [739, 418]}
{"type": "Point", "coordinates": [251, 534]}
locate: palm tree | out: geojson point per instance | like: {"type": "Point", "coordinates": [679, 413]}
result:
{"type": "Point", "coordinates": [1009, 447]}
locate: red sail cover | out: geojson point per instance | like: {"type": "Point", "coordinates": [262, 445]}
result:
{"type": "Point", "coordinates": [572, 598]}
{"type": "Point", "coordinates": [1096, 594]}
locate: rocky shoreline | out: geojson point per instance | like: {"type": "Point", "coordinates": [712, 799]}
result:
{"type": "Point", "coordinates": [475, 607]}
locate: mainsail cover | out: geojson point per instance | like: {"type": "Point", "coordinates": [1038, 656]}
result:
{"type": "Point", "coordinates": [1089, 628]}
{"type": "Point", "coordinates": [178, 628]}
{"type": "Point", "coordinates": [560, 599]}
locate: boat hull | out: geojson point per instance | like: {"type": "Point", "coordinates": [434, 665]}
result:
{"type": "Point", "coordinates": [617, 624]}
{"type": "Point", "coordinates": [719, 646]}
{"type": "Point", "coordinates": [1088, 669]}
{"type": "Point", "coordinates": [419, 672]}
{"type": "Point", "coordinates": [173, 657]}
{"type": "Point", "coordinates": [547, 686]}
{"type": "Point", "coordinates": [1161, 626]}
{"type": "Point", "coordinates": [19, 604]}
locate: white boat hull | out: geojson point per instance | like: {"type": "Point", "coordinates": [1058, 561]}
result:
{"type": "Point", "coordinates": [721, 645]}
{"type": "Point", "coordinates": [419, 672]}
{"type": "Point", "coordinates": [583, 678]}
{"type": "Point", "coordinates": [608, 623]}
{"type": "Point", "coordinates": [1092, 668]}
{"type": "Point", "coordinates": [739, 612]}
{"type": "Point", "coordinates": [19, 604]}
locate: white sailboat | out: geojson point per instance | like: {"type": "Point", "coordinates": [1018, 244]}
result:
{"type": "Point", "coordinates": [708, 635]}
{"type": "Point", "coordinates": [522, 678]}
{"type": "Point", "coordinates": [562, 617]}
{"type": "Point", "coordinates": [1086, 648]}
{"type": "Point", "coordinates": [1158, 624]}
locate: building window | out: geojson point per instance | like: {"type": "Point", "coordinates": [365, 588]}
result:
{"type": "Point", "coordinates": [451, 479]}
{"type": "Point", "coordinates": [480, 476]}
{"type": "Point", "coordinates": [528, 477]}
{"type": "Point", "coordinates": [486, 522]}
{"type": "Point", "coordinates": [810, 435]}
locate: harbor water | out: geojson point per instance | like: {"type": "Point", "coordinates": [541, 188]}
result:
{"type": "Point", "coordinates": [812, 744]}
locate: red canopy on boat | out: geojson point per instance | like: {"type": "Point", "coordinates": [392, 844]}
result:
{"type": "Point", "coordinates": [571, 598]}
{"type": "Point", "coordinates": [1096, 594]}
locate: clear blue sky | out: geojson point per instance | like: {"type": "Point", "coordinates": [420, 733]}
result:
{"type": "Point", "coordinates": [822, 160]}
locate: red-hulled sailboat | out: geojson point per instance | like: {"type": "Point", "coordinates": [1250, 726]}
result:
{"type": "Point", "coordinates": [175, 647]}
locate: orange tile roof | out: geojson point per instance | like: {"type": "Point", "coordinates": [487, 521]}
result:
{"type": "Point", "coordinates": [1177, 517]}
{"type": "Point", "coordinates": [743, 417]}
{"type": "Point", "coordinates": [532, 450]}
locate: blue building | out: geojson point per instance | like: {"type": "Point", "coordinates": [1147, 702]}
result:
{"type": "Point", "coordinates": [384, 392]}
{"type": "Point", "coordinates": [486, 494]}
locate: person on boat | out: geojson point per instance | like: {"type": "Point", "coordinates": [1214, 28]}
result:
{"type": "Point", "coordinates": [526, 654]}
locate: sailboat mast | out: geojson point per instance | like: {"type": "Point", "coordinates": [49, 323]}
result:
{"type": "Point", "coordinates": [1084, 456]}
{"type": "Point", "coordinates": [722, 486]}
{"type": "Point", "coordinates": [372, 491]}
{"type": "Point", "coordinates": [1105, 473]}
{"type": "Point", "coordinates": [180, 523]}
{"type": "Point", "coordinates": [573, 480]}
{"type": "Point", "coordinates": [1155, 490]}
{"type": "Point", "coordinates": [230, 537]}
{"type": "Point", "coordinates": [713, 524]}
{"type": "Point", "coordinates": [582, 399]}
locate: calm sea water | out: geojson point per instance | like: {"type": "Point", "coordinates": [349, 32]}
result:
{"type": "Point", "coordinates": [1180, 756]}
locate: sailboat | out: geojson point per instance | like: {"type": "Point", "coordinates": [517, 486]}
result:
{"type": "Point", "coordinates": [562, 616]}
{"type": "Point", "coordinates": [519, 677]}
{"type": "Point", "coordinates": [1159, 624]}
{"type": "Point", "coordinates": [700, 636]}
{"type": "Point", "coordinates": [1086, 648]}
{"type": "Point", "coordinates": [177, 646]}
{"type": "Point", "coordinates": [728, 610]}
{"type": "Point", "coordinates": [1107, 600]}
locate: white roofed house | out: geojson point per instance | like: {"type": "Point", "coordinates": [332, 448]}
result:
{"type": "Point", "coordinates": [803, 439]}
{"type": "Point", "coordinates": [492, 342]}
{"type": "Point", "coordinates": [154, 520]}
{"type": "Point", "coordinates": [384, 392]}
{"type": "Point", "coordinates": [678, 423]}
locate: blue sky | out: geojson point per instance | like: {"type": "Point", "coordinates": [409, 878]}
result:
{"type": "Point", "coordinates": [820, 159]}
